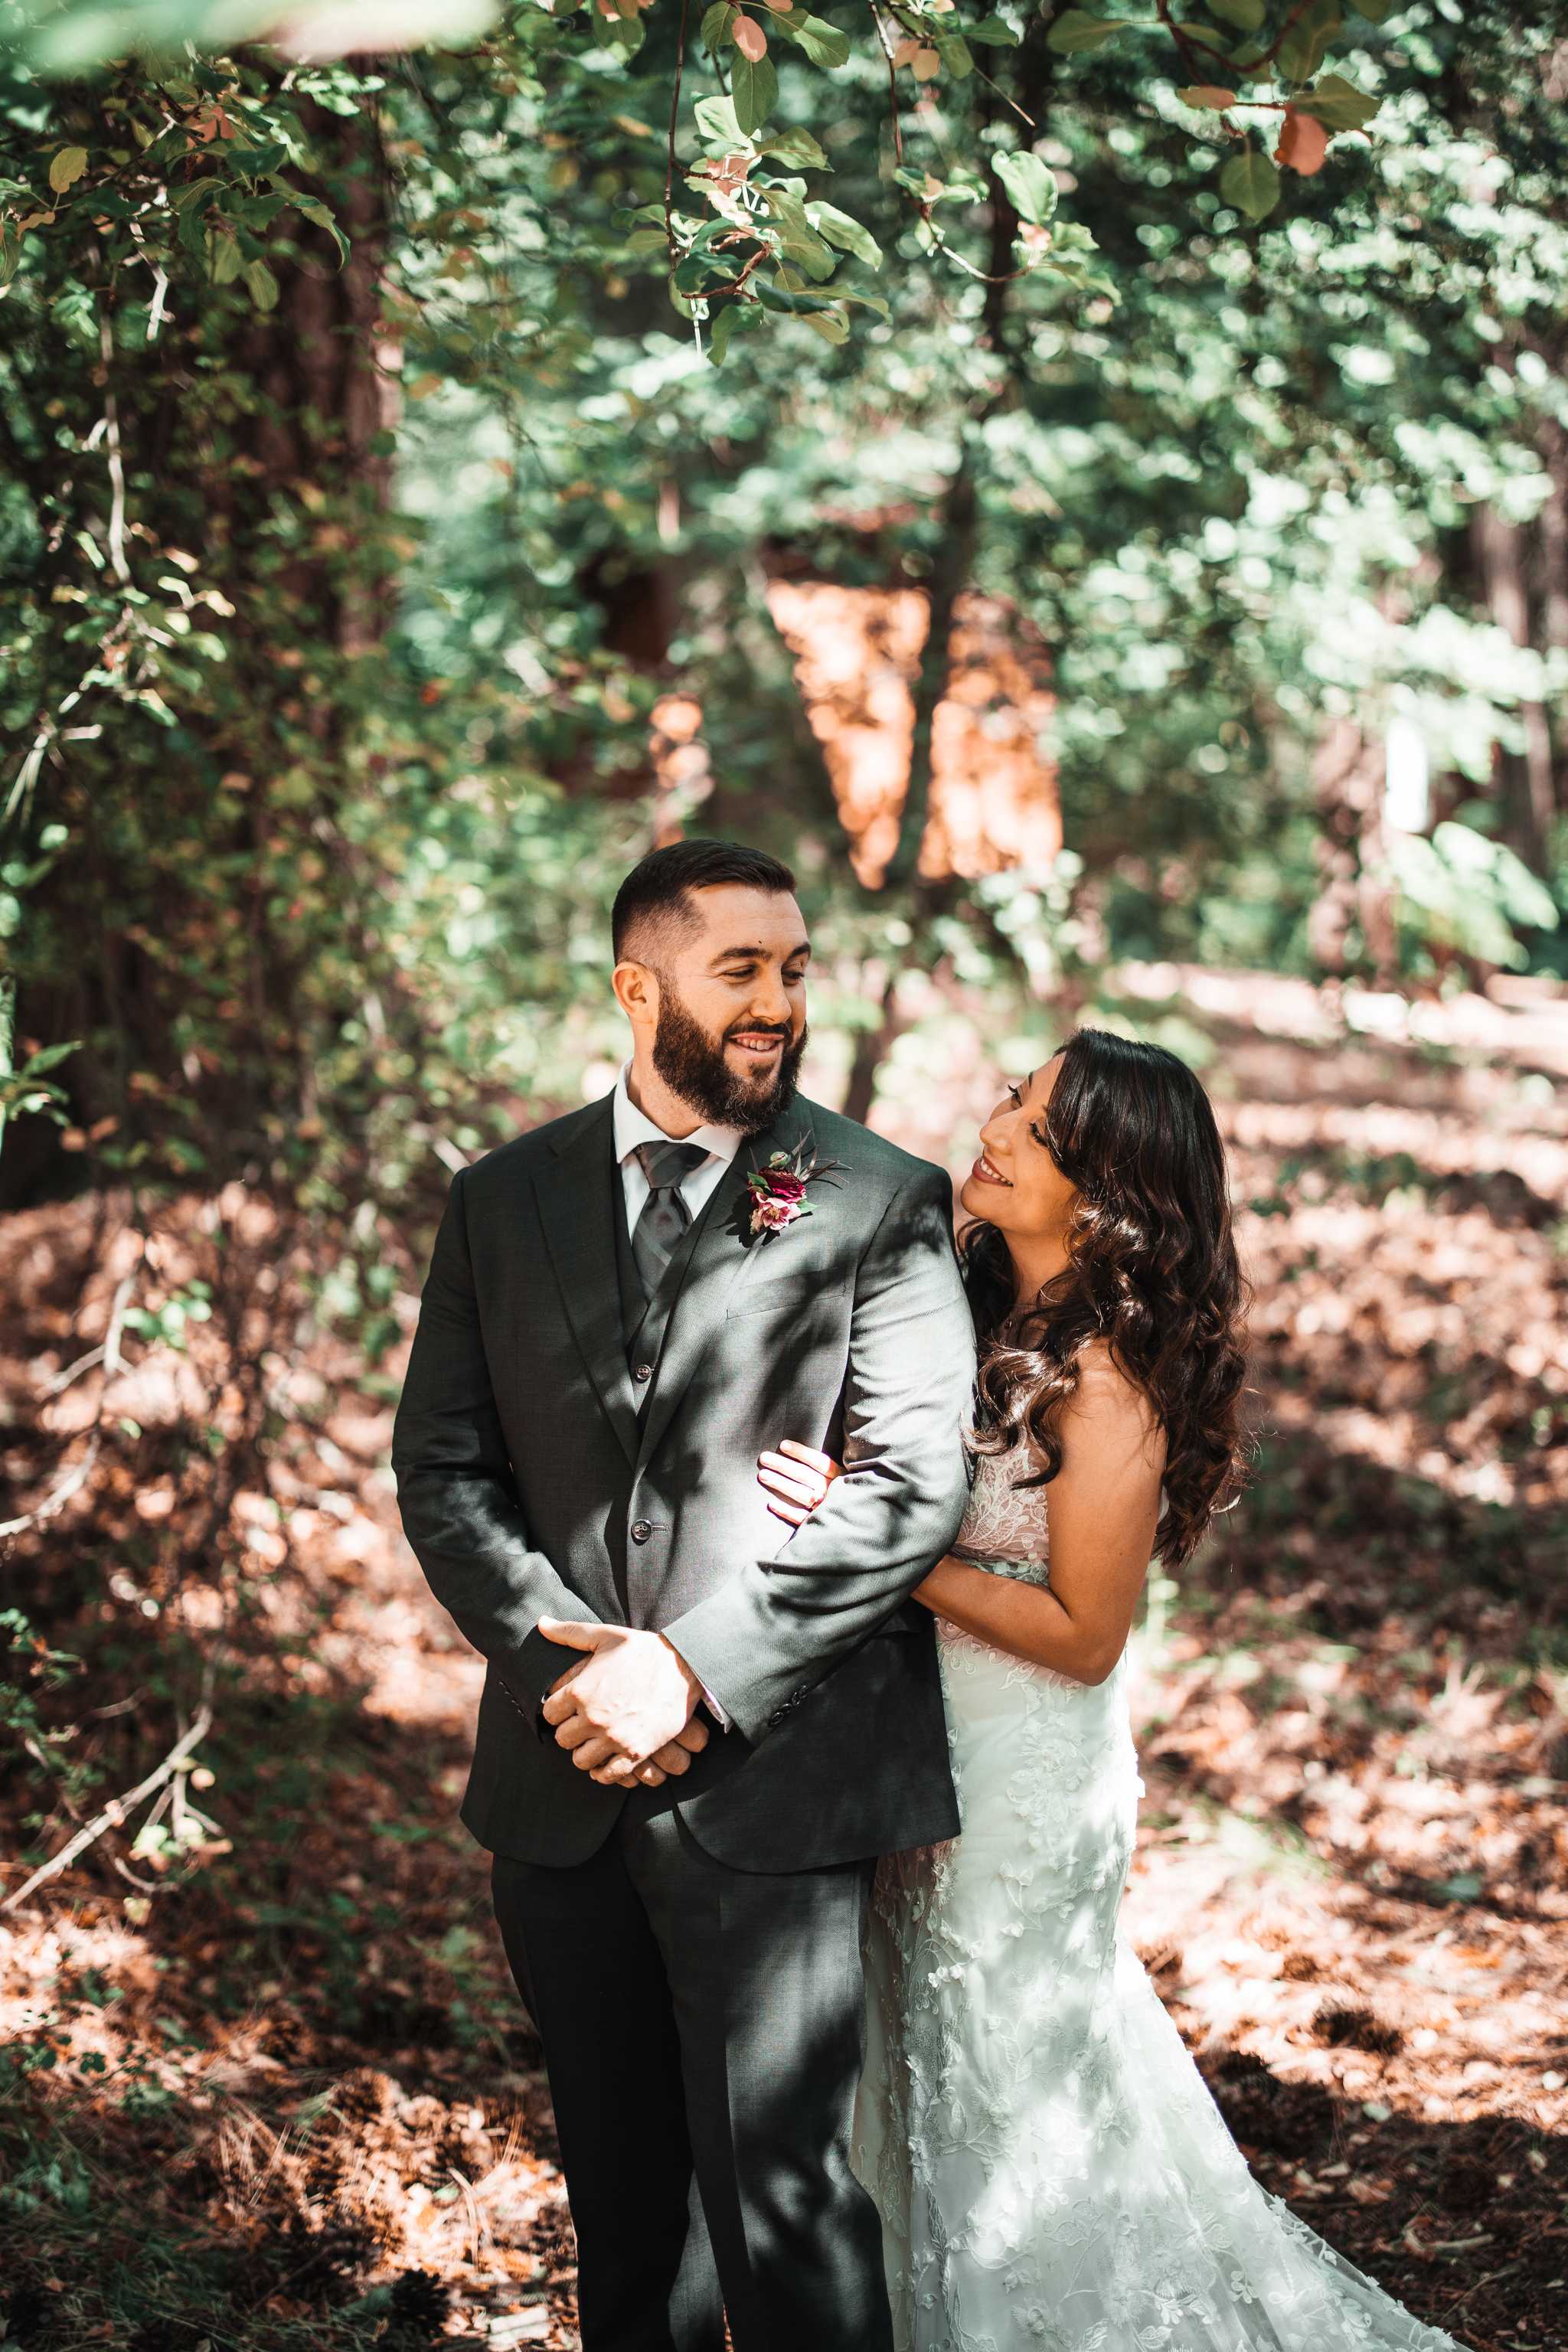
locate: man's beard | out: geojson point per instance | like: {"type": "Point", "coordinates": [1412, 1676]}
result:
{"type": "Point", "coordinates": [692, 1066]}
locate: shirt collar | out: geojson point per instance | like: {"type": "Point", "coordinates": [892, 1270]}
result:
{"type": "Point", "coordinates": [633, 1126]}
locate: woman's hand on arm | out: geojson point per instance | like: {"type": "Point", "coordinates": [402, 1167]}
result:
{"type": "Point", "coordinates": [1104, 1505]}
{"type": "Point", "coordinates": [797, 1478]}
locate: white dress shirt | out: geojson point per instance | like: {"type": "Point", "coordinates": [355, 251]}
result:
{"type": "Point", "coordinates": [633, 1126]}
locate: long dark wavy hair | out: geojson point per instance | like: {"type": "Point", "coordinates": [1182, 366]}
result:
{"type": "Point", "coordinates": [1151, 1271]}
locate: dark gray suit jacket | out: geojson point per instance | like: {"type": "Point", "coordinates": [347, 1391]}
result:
{"type": "Point", "coordinates": [528, 1487]}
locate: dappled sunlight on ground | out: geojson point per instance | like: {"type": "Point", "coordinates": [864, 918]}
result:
{"type": "Point", "coordinates": [274, 2085]}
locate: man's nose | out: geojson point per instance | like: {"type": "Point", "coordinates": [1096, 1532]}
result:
{"type": "Point", "coordinates": [769, 1003]}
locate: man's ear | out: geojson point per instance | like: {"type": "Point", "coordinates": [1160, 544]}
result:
{"type": "Point", "coordinates": [636, 991]}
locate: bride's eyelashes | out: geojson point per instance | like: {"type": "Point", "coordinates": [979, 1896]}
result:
{"type": "Point", "coordinates": [1036, 1132]}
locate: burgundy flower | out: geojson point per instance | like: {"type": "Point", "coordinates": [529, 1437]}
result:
{"type": "Point", "coordinates": [778, 1191]}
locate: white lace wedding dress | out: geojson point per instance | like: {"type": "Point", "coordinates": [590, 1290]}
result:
{"type": "Point", "coordinates": [1051, 2171]}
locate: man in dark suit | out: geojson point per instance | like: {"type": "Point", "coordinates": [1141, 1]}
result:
{"type": "Point", "coordinates": [698, 1732]}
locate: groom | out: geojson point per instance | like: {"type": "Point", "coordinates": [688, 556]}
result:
{"type": "Point", "coordinates": [698, 1730]}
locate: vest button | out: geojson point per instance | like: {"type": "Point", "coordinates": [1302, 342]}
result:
{"type": "Point", "coordinates": [641, 1530]}
{"type": "Point", "coordinates": [643, 1373]}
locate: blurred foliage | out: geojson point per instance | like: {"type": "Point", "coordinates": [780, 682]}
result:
{"type": "Point", "coordinates": [361, 497]}
{"type": "Point", "coordinates": [1464, 891]}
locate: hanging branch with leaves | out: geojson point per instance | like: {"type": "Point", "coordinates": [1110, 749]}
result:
{"type": "Point", "coordinates": [741, 235]}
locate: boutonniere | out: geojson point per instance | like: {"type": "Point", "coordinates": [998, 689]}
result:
{"type": "Point", "coordinates": [778, 1191]}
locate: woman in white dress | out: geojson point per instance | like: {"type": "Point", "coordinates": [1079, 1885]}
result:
{"type": "Point", "coordinates": [1051, 2171]}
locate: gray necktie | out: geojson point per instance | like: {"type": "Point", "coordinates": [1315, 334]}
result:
{"type": "Point", "coordinates": [665, 1215]}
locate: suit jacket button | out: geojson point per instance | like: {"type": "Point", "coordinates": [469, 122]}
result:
{"type": "Point", "coordinates": [641, 1530]}
{"type": "Point", "coordinates": [643, 1373]}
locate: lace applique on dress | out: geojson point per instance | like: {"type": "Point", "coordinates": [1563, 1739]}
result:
{"type": "Point", "coordinates": [1005, 1526]}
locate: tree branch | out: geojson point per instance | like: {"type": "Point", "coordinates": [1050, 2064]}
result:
{"type": "Point", "coordinates": [670, 145]}
{"type": "Point", "coordinates": [114, 1814]}
{"type": "Point", "coordinates": [75, 1478]}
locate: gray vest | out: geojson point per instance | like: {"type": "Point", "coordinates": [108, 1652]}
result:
{"type": "Point", "coordinates": [645, 1320]}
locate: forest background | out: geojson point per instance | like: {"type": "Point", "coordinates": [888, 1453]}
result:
{"type": "Point", "coordinates": [1094, 493]}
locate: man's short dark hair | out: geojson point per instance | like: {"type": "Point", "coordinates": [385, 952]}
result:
{"type": "Point", "coordinates": [658, 885]}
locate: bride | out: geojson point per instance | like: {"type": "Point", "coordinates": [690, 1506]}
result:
{"type": "Point", "coordinates": [1049, 2166]}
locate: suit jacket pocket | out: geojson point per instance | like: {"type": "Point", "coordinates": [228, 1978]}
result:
{"type": "Point", "coordinates": [784, 1296]}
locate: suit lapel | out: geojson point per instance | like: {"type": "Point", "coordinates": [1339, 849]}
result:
{"type": "Point", "coordinates": [721, 1252]}
{"type": "Point", "coordinates": [577, 1209]}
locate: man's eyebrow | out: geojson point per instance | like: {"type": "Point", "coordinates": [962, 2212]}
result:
{"type": "Point", "coordinates": [750, 953]}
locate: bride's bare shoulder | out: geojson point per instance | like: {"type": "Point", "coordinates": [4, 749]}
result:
{"type": "Point", "coordinates": [1109, 1407]}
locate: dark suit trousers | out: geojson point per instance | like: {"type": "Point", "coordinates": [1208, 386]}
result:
{"type": "Point", "coordinates": [703, 2030]}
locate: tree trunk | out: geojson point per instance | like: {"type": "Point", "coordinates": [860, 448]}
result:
{"type": "Point", "coordinates": [948, 578]}
{"type": "Point", "coordinates": [203, 861]}
{"type": "Point", "coordinates": [1529, 794]}
{"type": "Point", "coordinates": [1355, 894]}
{"type": "Point", "coordinates": [871, 1049]}
{"type": "Point", "coordinates": [1552, 565]}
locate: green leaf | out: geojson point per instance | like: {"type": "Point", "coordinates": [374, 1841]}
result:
{"type": "Point", "coordinates": [1030, 183]}
{"type": "Point", "coordinates": [1301, 51]}
{"type": "Point", "coordinates": [262, 286]}
{"type": "Point", "coordinates": [735, 318]}
{"type": "Point", "coordinates": [192, 231]}
{"type": "Point", "coordinates": [953, 51]}
{"type": "Point", "coordinates": [1075, 29]}
{"type": "Point", "coordinates": [794, 146]}
{"type": "Point", "coordinates": [755, 90]}
{"type": "Point", "coordinates": [992, 33]}
{"type": "Point", "coordinates": [256, 162]}
{"type": "Point", "coordinates": [67, 168]}
{"type": "Point", "coordinates": [824, 44]}
{"type": "Point", "coordinates": [1251, 183]}
{"type": "Point", "coordinates": [49, 1057]}
{"type": "Point", "coordinates": [848, 236]}
{"type": "Point", "coordinates": [315, 210]}
{"type": "Point", "coordinates": [715, 117]}
{"type": "Point", "coordinates": [716, 23]}
{"type": "Point", "coordinates": [226, 259]}
{"type": "Point", "coordinates": [1338, 104]}
{"type": "Point", "coordinates": [1244, 14]}
{"type": "Point", "coordinates": [1208, 43]}
{"type": "Point", "coordinates": [798, 240]}
{"type": "Point", "coordinates": [833, 328]}
{"type": "Point", "coordinates": [703, 273]}
{"type": "Point", "coordinates": [796, 299]}
{"type": "Point", "coordinates": [624, 33]}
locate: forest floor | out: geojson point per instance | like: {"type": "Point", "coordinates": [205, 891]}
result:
{"type": "Point", "coordinates": [264, 2085]}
